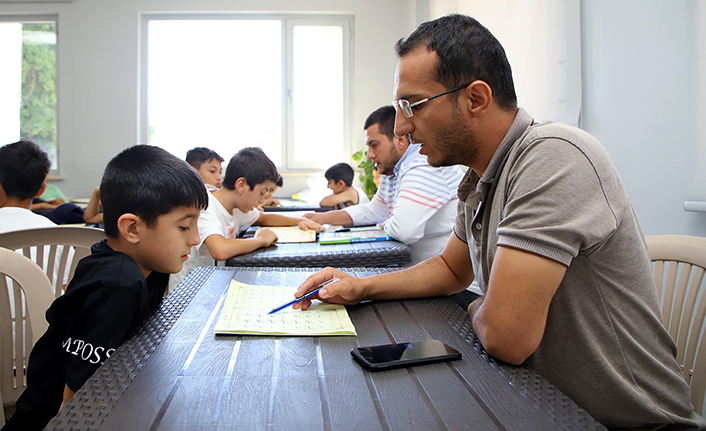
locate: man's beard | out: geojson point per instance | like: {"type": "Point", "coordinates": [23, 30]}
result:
{"type": "Point", "coordinates": [455, 145]}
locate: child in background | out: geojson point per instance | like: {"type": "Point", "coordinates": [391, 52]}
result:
{"type": "Point", "coordinates": [232, 209]}
{"type": "Point", "coordinates": [52, 198]}
{"type": "Point", "coordinates": [93, 213]}
{"type": "Point", "coordinates": [23, 171]}
{"type": "Point", "coordinates": [376, 176]}
{"type": "Point", "coordinates": [208, 164]}
{"type": "Point", "coordinates": [269, 200]}
{"type": "Point", "coordinates": [340, 181]}
{"type": "Point", "coordinates": [151, 203]}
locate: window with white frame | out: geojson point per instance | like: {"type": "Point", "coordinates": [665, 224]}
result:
{"type": "Point", "coordinates": [230, 81]}
{"type": "Point", "coordinates": [28, 82]}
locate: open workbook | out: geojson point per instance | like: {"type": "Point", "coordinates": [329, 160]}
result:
{"type": "Point", "coordinates": [246, 306]}
{"type": "Point", "coordinates": [291, 234]}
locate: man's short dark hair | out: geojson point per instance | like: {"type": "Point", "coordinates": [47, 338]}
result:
{"type": "Point", "coordinates": [23, 169]}
{"type": "Point", "coordinates": [149, 182]}
{"type": "Point", "coordinates": [340, 171]}
{"type": "Point", "coordinates": [280, 181]}
{"type": "Point", "coordinates": [385, 119]}
{"type": "Point", "coordinates": [467, 52]}
{"type": "Point", "coordinates": [200, 155]}
{"type": "Point", "coordinates": [252, 164]}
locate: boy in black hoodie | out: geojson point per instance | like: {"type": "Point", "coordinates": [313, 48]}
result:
{"type": "Point", "coordinates": [151, 203]}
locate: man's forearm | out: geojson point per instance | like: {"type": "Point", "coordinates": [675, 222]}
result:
{"type": "Point", "coordinates": [432, 277]}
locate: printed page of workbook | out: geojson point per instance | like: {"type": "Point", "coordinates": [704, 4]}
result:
{"type": "Point", "coordinates": [291, 234]}
{"type": "Point", "coordinates": [246, 306]}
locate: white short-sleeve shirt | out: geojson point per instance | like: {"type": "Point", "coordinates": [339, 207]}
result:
{"type": "Point", "coordinates": [215, 220]}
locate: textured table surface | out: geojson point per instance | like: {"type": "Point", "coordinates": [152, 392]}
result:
{"type": "Point", "coordinates": [175, 374]}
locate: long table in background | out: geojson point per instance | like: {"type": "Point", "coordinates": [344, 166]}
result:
{"type": "Point", "coordinates": [175, 374]}
{"type": "Point", "coordinates": [295, 205]}
{"type": "Point", "coordinates": [312, 254]}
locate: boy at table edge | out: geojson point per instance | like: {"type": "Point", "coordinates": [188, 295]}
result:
{"type": "Point", "coordinates": [151, 201]}
{"type": "Point", "coordinates": [233, 208]}
{"type": "Point", "coordinates": [545, 226]}
{"type": "Point", "coordinates": [344, 194]}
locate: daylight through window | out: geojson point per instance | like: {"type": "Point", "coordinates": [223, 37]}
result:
{"type": "Point", "coordinates": [276, 83]}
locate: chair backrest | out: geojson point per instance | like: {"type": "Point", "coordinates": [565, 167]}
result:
{"type": "Point", "coordinates": [25, 296]}
{"type": "Point", "coordinates": [54, 249]}
{"type": "Point", "coordinates": [679, 266]}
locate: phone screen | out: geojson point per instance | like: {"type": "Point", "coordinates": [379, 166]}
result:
{"type": "Point", "coordinates": [404, 354]}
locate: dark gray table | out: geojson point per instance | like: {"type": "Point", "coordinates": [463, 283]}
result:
{"type": "Point", "coordinates": [175, 374]}
{"type": "Point", "coordinates": [313, 254]}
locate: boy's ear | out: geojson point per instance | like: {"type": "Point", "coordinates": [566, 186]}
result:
{"type": "Point", "coordinates": [128, 227]}
{"type": "Point", "coordinates": [241, 185]}
{"type": "Point", "coordinates": [41, 189]}
{"type": "Point", "coordinates": [341, 183]}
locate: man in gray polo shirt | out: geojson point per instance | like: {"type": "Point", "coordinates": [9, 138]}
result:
{"type": "Point", "coordinates": [545, 227]}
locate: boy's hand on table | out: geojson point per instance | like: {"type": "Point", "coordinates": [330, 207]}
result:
{"type": "Point", "coordinates": [348, 291]}
{"type": "Point", "coordinates": [267, 236]}
{"type": "Point", "coordinates": [310, 224]}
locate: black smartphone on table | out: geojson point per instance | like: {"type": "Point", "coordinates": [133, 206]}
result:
{"type": "Point", "coordinates": [387, 356]}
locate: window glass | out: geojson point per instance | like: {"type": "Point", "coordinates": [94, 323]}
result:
{"type": "Point", "coordinates": [271, 82]}
{"type": "Point", "coordinates": [318, 94]}
{"type": "Point", "coordinates": [215, 84]}
{"type": "Point", "coordinates": [28, 84]}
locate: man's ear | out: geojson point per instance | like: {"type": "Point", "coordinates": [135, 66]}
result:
{"type": "Point", "coordinates": [41, 189]}
{"type": "Point", "coordinates": [401, 143]}
{"type": "Point", "coordinates": [129, 227]}
{"type": "Point", "coordinates": [241, 185]}
{"type": "Point", "coordinates": [478, 97]}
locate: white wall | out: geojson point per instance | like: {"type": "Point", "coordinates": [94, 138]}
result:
{"type": "Point", "coordinates": [643, 90]}
{"type": "Point", "coordinates": [640, 61]}
{"type": "Point", "coordinates": [542, 40]}
{"type": "Point", "coordinates": [98, 70]}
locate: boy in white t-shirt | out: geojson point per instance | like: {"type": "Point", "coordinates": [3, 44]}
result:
{"type": "Point", "coordinates": [232, 209]}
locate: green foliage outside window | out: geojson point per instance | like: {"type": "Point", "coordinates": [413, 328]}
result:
{"type": "Point", "coordinates": [38, 108]}
{"type": "Point", "coordinates": [366, 177]}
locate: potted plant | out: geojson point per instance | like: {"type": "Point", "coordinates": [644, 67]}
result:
{"type": "Point", "coordinates": [366, 176]}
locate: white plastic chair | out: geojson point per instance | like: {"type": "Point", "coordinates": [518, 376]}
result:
{"type": "Point", "coordinates": [56, 243]}
{"type": "Point", "coordinates": [25, 295]}
{"type": "Point", "coordinates": [679, 267]}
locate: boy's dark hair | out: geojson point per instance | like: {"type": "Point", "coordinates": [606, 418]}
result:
{"type": "Point", "coordinates": [149, 182]}
{"type": "Point", "coordinates": [467, 51]}
{"type": "Point", "coordinates": [23, 169]}
{"type": "Point", "coordinates": [252, 164]}
{"type": "Point", "coordinates": [280, 181]}
{"type": "Point", "coordinates": [200, 155]}
{"type": "Point", "coordinates": [340, 171]}
{"type": "Point", "coordinates": [385, 119]}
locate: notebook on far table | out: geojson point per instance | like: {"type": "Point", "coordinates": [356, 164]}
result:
{"type": "Point", "coordinates": [353, 236]}
{"type": "Point", "coordinates": [287, 234]}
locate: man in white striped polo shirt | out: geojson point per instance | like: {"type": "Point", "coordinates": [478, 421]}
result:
{"type": "Point", "coordinates": [415, 203]}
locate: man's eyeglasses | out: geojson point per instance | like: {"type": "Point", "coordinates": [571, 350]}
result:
{"type": "Point", "coordinates": [406, 107]}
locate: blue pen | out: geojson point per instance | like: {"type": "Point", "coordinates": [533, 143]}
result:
{"type": "Point", "coordinates": [308, 295]}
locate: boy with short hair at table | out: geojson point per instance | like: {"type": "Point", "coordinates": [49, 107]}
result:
{"type": "Point", "coordinates": [208, 164]}
{"type": "Point", "coordinates": [233, 208]}
{"type": "Point", "coordinates": [151, 202]}
{"type": "Point", "coordinates": [340, 181]}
